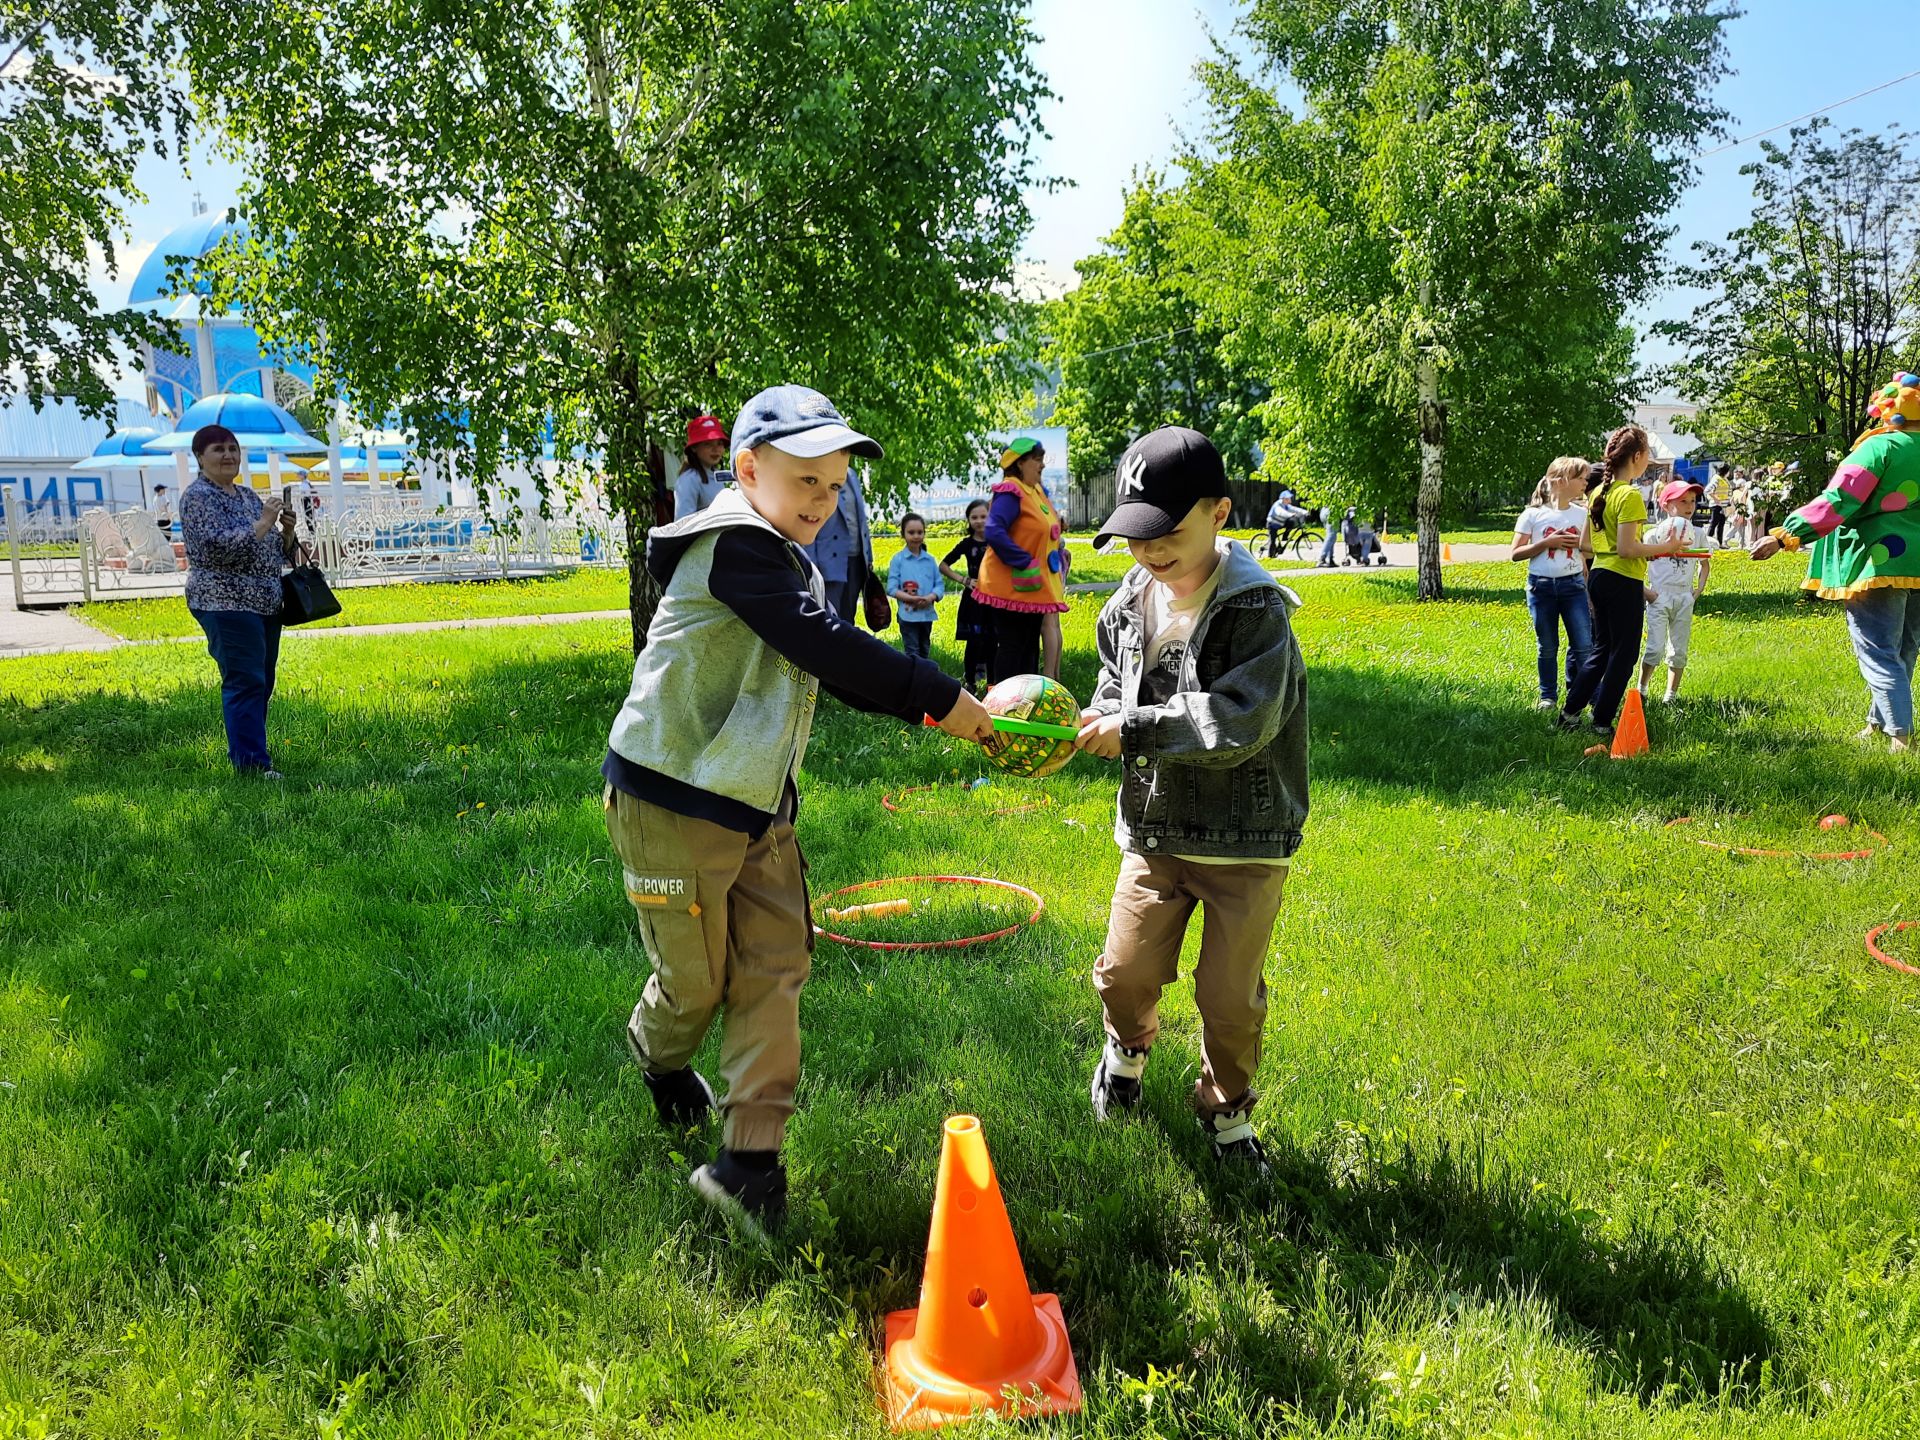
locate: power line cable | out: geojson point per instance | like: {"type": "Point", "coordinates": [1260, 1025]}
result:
{"type": "Point", "coordinates": [1774, 129]}
{"type": "Point", "coordinates": [1131, 344]}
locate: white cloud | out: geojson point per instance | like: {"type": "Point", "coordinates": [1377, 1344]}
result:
{"type": "Point", "coordinates": [1039, 280]}
{"type": "Point", "coordinates": [111, 283]}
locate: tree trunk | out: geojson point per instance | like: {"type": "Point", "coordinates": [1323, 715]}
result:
{"type": "Point", "coordinates": [629, 483]}
{"type": "Point", "coordinates": [1433, 455]}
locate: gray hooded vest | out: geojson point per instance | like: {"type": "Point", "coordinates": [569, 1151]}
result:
{"type": "Point", "coordinates": [712, 704]}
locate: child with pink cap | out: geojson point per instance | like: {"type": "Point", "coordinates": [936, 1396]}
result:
{"type": "Point", "coordinates": [1674, 584]}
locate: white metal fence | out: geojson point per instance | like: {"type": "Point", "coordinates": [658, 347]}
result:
{"type": "Point", "coordinates": [118, 551]}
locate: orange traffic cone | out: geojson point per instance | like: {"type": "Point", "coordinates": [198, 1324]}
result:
{"type": "Point", "coordinates": [1630, 735]}
{"type": "Point", "coordinates": [980, 1339]}
{"type": "Point", "coordinates": [1446, 553]}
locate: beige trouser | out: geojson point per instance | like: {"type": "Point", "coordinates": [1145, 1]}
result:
{"type": "Point", "coordinates": [1152, 902]}
{"type": "Point", "coordinates": [725, 922]}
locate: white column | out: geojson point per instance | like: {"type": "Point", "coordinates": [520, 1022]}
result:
{"type": "Point", "coordinates": [273, 472]}
{"type": "Point", "coordinates": [336, 486]}
{"type": "Point", "coordinates": [203, 346]}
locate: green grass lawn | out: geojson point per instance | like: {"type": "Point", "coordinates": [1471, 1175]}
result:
{"type": "Point", "coordinates": [315, 1115]}
{"type": "Point", "coordinates": [393, 604]}
{"type": "Point", "coordinates": [563, 594]}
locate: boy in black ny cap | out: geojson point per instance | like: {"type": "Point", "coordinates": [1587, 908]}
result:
{"type": "Point", "coordinates": [1203, 700]}
{"type": "Point", "coordinates": [701, 769]}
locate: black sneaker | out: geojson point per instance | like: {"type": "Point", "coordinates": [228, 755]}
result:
{"type": "Point", "coordinates": [749, 1187]}
{"type": "Point", "coordinates": [1116, 1079]}
{"type": "Point", "coordinates": [682, 1096]}
{"type": "Point", "coordinates": [1564, 721]}
{"type": "Point", "coordinates": [1605, 732]}
{"type": "Point", "coordinates": [1235, 1146]}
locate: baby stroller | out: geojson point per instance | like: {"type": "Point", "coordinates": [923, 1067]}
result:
{"type": "Point", "coordinates": [1362, 544]}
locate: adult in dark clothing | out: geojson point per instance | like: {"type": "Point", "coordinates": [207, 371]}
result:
{"type": "Point", "coordinates": [843, 550]}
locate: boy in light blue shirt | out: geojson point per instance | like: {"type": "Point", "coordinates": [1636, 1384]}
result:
{"type": "Point", "coordinates": [914, 582]}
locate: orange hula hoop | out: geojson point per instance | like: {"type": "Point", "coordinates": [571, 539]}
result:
{"type": "Point", "coordinates": [1039, 906]}
{"type": "Point", "coordinates": [1880, 840]}
{"type": "Point", "coordinates": [1873, 947]}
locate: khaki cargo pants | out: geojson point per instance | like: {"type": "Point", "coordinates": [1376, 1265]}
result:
{"type": "Point", "coordinates": [1153, 900]}
{"type": "Point", "coordinates": [725, 923]}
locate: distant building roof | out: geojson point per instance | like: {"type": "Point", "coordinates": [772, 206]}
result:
{"type": "Point", "coordinates": [1659, 418]}
{"type": "Point", "coordinates": [200, 236]}
{"type": "Point", "coordinates": [58, 431]}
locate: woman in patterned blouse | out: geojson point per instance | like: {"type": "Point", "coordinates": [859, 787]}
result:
{"type": "Point", "coordinates": [234, 562]}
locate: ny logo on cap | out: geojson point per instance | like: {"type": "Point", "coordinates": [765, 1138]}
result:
{"type": "Point", "coordinates": [1133, 477]}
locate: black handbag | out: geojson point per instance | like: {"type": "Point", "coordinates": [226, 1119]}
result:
{"type": "Point", "coordinates": [873, 601]}
{"type": "Point", "coordinates": [305, 596]}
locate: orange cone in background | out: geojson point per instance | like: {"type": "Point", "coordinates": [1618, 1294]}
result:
{"type": "Point", "coordinates": [1630, 735]}
{"type": "Point", "coordinates": [980, 1339]}
{"type": "Point", "coordinates": [1446, 553]}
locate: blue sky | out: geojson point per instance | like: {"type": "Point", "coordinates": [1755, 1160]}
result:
{"type": "Point", "coordinates": [1122, 71]}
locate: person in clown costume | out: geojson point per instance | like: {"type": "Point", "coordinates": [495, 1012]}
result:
{"type": "Point", "coordinates": [1023, 576]}
{"type": "Point", "coordinates": [1863, 531]}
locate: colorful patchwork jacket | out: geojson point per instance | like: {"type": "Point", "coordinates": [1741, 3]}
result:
{"type": "Point", "coordinates": [1864, 528]}
{"type": "Point", "coordinates": [1026, 562]}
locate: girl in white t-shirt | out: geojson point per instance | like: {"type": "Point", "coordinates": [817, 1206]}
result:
{"type": "Point", "coordinates": [1547, 537]}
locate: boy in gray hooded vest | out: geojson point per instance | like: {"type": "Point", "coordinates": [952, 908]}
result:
{"type": "Point", "coordinates": [701, 769]}
{"type": "Point", "coordinates": [1203, 700]}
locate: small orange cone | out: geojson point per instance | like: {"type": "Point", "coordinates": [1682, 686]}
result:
{"type": "Point", "coordinates": [1446, 553]}
{"type": "Point", "coordinates": [980, 1340]}
{"type": "Point", "coordinates": [1630, 735]}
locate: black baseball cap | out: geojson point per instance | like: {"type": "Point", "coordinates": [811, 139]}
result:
{"type": "Point", "coordinates": [1163, 475]}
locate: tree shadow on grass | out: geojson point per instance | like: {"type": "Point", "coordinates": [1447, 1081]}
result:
{"type": "Point", "coordinates": [1469, 741]}
{"type": "Point", "coordinates": [1793, 605]}
{"type": "Point", "coordinates": [1659, 1316]}
{"type": "Point", "coordinates": [888, 1049]}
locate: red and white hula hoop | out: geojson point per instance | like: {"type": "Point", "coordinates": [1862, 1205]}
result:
{"type": "Point", "coordinates": [1039, 905]}
{"type": "Point", "coordinates": [1873, 947]}
{"type": "Point", "coordinates": [1041, 800]}
{"type": "Point", "coordinates": [1879, 840]}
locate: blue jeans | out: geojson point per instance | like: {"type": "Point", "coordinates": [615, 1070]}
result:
{"type": "Point", "coordinates": [246, 647]}
{"type": "Point", "coordinates": [1885, 626]}
{"type": "Point", "coordinates": [1553, 601]}
{"type": "Point", "coordinates": [917, 640]}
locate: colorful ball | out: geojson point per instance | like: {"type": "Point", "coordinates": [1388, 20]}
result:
{"type": "Point", "coordinates": [1834, 822]}
{"type": "Point", "coordinates": [1031, 697]}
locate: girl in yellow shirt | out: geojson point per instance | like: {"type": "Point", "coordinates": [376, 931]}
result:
{"type": "Point", "coordinates": [1618, 584]}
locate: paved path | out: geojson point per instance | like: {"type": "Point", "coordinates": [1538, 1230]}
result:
{"type": "Point", "coordinates": [56, 632]}
{"type": "Point", "coordinates": [44, 632]}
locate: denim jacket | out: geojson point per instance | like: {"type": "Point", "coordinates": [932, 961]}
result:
{"type": "Point", "coordinates": [1221, 768]}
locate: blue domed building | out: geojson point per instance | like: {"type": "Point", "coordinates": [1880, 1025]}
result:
{"type": "Point", "coordinates": [220, 351]}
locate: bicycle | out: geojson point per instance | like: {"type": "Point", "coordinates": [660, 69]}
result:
{"type": "Point", "coordinates": [1303, 541]}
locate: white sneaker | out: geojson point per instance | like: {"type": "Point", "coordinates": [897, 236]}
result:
{"type": "Point", "coordinates": [1235, 1146]}
{"type": "Point", "coordinates": [1872, 732]}
{"type": "Point", "coordinates": [1116, 1079]}
{"type": "Point", "coordinates": [1546, 704]}
{"type": "Point", "coordinates": [1898, 744]}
